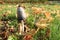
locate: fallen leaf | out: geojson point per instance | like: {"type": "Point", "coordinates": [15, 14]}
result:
{"type": "Point", "coordinates": [9, 6]}
{"type": "Point", "coordinates": [47, 14]}
{"type": "Point", "coordinates": [8, 11]}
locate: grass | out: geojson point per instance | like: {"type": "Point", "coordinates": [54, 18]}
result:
{"type": "Point", "coordinates": [54, 25]}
